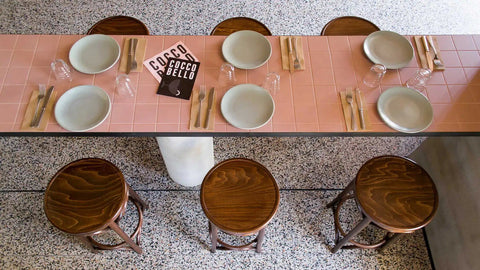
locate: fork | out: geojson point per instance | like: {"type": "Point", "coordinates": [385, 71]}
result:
{"type": "Point", "coordinates": [436, 60]}
{"type": "Point", "coordinates": [201, 97]}
{"type": "Point", "coordinates": [349, 98]}
{"type": "Point", "coordinates": [296, 63]}
{"type": "Point", "coordinates": [41, 95]}
{"type": "Point", "coordinates": [134, 49]}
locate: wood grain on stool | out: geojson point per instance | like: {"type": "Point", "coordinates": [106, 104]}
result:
{"type": "Point", "coordinates": [119, 25]}
{"type": "Point", "coordinates": [239, 196]}
{"type": "Point", "coordinates": [84, 196]}
{"type": "Point", "coordinates": [349, 26]}
{"type": "Point", "coordinates": [396, 193]}
{"type": "Point", "coordinates": [232, 25]}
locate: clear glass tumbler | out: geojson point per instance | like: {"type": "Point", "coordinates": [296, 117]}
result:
{"type": "Point", "coordinates": [374, 76]}
{"type": "Point", "coordinates": [226, 76]}
{"type": "Point", "coordinates": [419, 79]}
{"type": "Point", "coordinates": [272, 83]}
{"type": "Point", "coordinates": [61, 70]}
{"type": "Point", "coordinates": [124, 86]}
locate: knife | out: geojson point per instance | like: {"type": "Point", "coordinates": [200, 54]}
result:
{"type": "Point", "coordinates": [211, 96]}
{"type": "Point", "coordinates": [36, 121]}
{"type": "Point", "coordinates": [291, 57]}
{"type": "Point", "coordinates": [358, 98]}
{"type": "Point", "coordinates": [130, 55]}
{"type": "Point", "coordinates": [427, 53]}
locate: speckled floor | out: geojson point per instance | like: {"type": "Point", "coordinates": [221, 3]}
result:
{"type": "Point", "coordinates": [310, 171]}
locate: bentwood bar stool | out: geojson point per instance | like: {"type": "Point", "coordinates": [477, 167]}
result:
{"type": "Point", "coordinates": [88, 196]}
{"type": "Point", "coordinates": [119, 25]}
{"type": "Point", "coordinates": [232, 25]}
{"type": "Point", "coordinates": [239, 197]}
{"type": "Point", "coordinates": [349, 26]}
{"type": "Point", "coordinates": [393, 193]}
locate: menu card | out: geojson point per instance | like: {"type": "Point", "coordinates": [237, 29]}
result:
{"type": "Point", "coordinates": [156, 64]}
{"type": "Point", "coordinates": [178, 78]}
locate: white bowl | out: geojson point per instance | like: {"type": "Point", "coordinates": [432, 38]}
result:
{"type": "Point", "coordinates": [247, 106]}
{"type": "Point", "coordinates": [94, 54]}
{"type": "Point", "coordinates": [246, 49]}
{"type": "Point", "coordinates": [82, 108]}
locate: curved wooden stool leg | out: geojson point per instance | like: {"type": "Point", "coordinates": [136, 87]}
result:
{"type": "Point", "coordinates": [135, 196]}
{"type": "Point", "coordinates": [125, 237]}
{"type": "Point", "coordinates": [260, 237]}
{"type": "Point", "coordinates": [342, 194]}
{"type": "Point", "coordinates": [213, 236]}
{"type": "Point", "coordinates": [360, 226]}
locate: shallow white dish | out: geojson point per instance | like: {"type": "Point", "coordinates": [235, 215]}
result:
{"type": "Point", "coordinates": [246, 49]}
{"type": "Point", "coordinates": [388, 48]}
{"type": "Point", "coordinates": [405, 109]}
{"type": "Point", "coordinates": [82, 108]}
{"type": "Point", "coordinates": [247, 106]}
{"type": "Point", "coordinates": [94, 54]}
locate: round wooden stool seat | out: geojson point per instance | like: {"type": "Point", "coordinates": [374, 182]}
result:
{"type": "Point", "coordinates": [239, 197]}
{"type": "Point", "coordinates": [349, 26]}
{"type": "Point", "coordinates": [89, 195]}
{"type": "Point", "coordinates": [119, 25]}
{"type": "Point", "coordinates": [392, 192]}
{"type": "Point", "coordinates": [232, 25]}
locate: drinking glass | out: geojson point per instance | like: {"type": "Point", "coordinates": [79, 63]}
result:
{"type": "Point", "coordinates": [272, 83]}
{"type": "Point", "coordinates": [124, 86]}
{"type": "Point", "coordinates": [374, 76]}
{"type": "Point", "coordinates": [419, 80]}
{"type": "Point", "coordinates": [226, 76]}
{"type": "Point", "coordinates": [61, 70]}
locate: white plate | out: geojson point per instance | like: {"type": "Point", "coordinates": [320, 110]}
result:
{"type": "Point", "coordinates": [94, 54]}
{"type": "Point", "coordinates": [247, 106]}
{"type": "Point", "coordinates": [82, 108]}
{"type": "Point", "coordinates": [246, 49]}
{"type": "Point", "coordinates": [388, 48]}
{"type": "Point", "coordinates": [405, 109]}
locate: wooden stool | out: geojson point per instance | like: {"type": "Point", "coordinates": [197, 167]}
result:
{"type": "Point", "coordinates": [231, 25]}
{"type": "Point", "coordinates": [119, 25]}
{"type": "Point", "coordinates": [393, 193]}
{"type": "Point", "coordinates": [239, 197]}
{"type": "Point", "coordinates": [88, 196]}
{"type": "Point", "coordinates": [349, 26]}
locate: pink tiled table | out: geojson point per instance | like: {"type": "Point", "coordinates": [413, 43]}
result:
{"type": "Point", "coordinates": [307, 103]}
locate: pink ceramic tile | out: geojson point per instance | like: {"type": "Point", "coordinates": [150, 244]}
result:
{"type": "Point", "coordinates": [338, 43]}
{"type": "Point", "coordinates": [443, 113]}
{"type": "Point", "coordinates": [185, 113]}
{"type": "Point", "coordinates": [6, 127]}
{"type": "Point", "coordinates": [356, 42]}
{"type": "Point", "coordinates": [323, 76]}
{"type": "Point", "coordinates": [332, 127]}
{"type": "Point", "coordinates": [11, 93]}
{"type": "Point", "coordinates": [306, 127]}
{"type": "Point", "coordinates": [325, 94]}
{"type": "Point", "coordinates": [145, 114]}
{"type": "Point", "coordinates": [303, 94]}
{"type": "Point", "coordinates": [469, 58]}
{"type": "Point", "coordinates": [154, 46]}
{"type": "Point", "coordinates": [467, 113]}
{"type": "Point", "coordinates": [171, 40]}
{"type": "Point", "coordinates": [26, 42]}
{"type": "Point", "coordinates": [344, 77]}
{"type": "Point", "coordinates": [438, 94]}
{"type": "Point", "coordinates": [370, 95]}
{"type": "Point", "coordinates": [213, 59]}
{"type": "Point", "coordinates": [122, 113]}
{"type": "Point", "coordinates": [460, 94]}
{"type": "Point", "coordinates": [391, 77]}
{"type": "Point", "coordinates": [473, 75]}
{"type": "Point", "coordinates": [214, 43]}
{"type": "Point", "coordinates": [284, 112]}
{"type": "Point", "coordinates": [120, 127]}
{"type": "Point", "coordinates": [5, 58]}
{"type": "Point", "coordinates": [146, 78]}
{"type": "Point", "coordinates": [17, 75]}
{"type": "Point", "coordinates": [330, 114]}
{"type": "Point", "coordinates": [43, 58]}
{"type": "Point", "coordinates": [48, 43]}
{"type": "Point", "coordinates": [469, 127]}
{"type": "Point", "coordinates": [372, 114]}
{"type": "Point", "coordinates": [305, 113]}
{"type": "Point", "coordinates": [476, 39]}
{"type": "Point", "coordinates": [266, 128]}
{"type": "Point", "coordinates": [301, 77]}
{"type": "Point", "coordinates": [443, 127]}
{"type": "Point", "coordinates": [451, 59]}
{"type": "Point", "coordinates": [7, 42]}
{"type": "Point", "coordinates": [321, 59]}
{"type": "Point", "coordinates": [168, 113]}
{"type": "Point", "coordinates": [8, 113]}
{"type": "Point", "coordinates": [3, 73]}
{"type": "Point", "coordinates": [144, 128]}
{"type": "Point", "coordinates": [445, 43]}
{"type": "Point", "coordinates": [195, 44]}
{"type": "Point", "coordinates": [283, 127]}
{"type": "Point", "coordinates": [464, 43]}
{"type": "Point", "coordinates": [167, 127]}
{"type": "Point", "coordinates": [342, 59]}
{"type": "Point", "coordinates": [454, 76]}
{"type": "Point", "coordinates": [106, 80]}
{"type": "Point", "coordinates": [257, 76]}
{"type": "Point", "coordinates": [318, 43]}
{"type": "Point", "coordinates": [38, 75]}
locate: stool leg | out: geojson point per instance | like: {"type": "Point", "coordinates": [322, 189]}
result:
{"type": "Point", "coordinates": [391, 240]}
{"type": "Point", "coordinates": [213, 236]}
{"type": "Point", "coordinates": [135, 196]}
{"type": "Point", "coordinates": [87, 242]}
{"type": "Point", "coordinates": [343, 193]}
{"type": "Point", "coordinates": [125, 237]}
{"type": "Point", "coordinates": [260, 237]}
{"type": "Point", "coordinates": [360, 226]}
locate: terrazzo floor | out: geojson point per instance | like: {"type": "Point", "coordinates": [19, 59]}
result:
{"type": "Point", "coordinates": [309, 171]}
